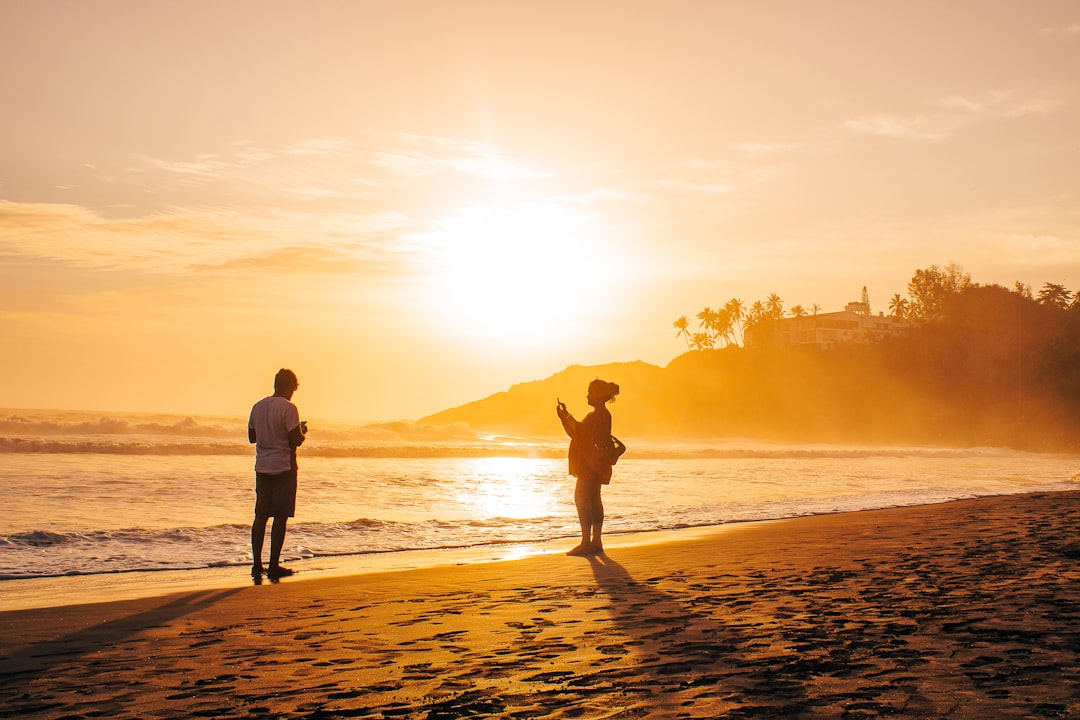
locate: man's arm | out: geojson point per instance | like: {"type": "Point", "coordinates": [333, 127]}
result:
{"type": "Point", "coordinates": [296, 436]}
{"type": "Point", "coordinates": [251, 435]}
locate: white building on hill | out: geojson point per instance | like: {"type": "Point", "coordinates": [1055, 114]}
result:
{"type": "Point", "coordinates": [854, 324]}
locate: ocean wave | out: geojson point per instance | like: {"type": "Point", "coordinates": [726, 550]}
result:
{"type": "Point", "coordinates": [465, 447]}
{"type": "Point", "coordinates": [44, 553]}
{"type": "Point", "coordinates": [35, 539]}
{"type": "Point", "coordinates": [83, 445]}
{"type": "Point", "coordinates": [356, 450]}
{"type": "Point", "coordinates": [840, 453]}
{"type": "Point", "coordinates": [74, 432]}
{"type": "Point", "coordinates": [74, 424]}
{"type": "Point", "coordinates": [107, 425]}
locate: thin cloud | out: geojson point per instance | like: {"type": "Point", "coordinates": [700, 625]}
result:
{"type": "Point", "coordinates": [602, 195]}
{"type": "Point", "coordinates": [694, 165]}
{"type": "Point", "coordinates": [319, 147]}
{"type": "Point", "coordinates": [699, 177]}
{"type": "Point", "coordinates": [696, 188]}
{"type": "Point", "coordinates": [329, 170]}
{"type": "Point", "coordinates": [82, 237]}
{"type": "Point", "coordinates": [951, 114]}
{"type": "Point", "coordinates": [917, 127]}
{"type": "Point", "coordinates": [1001, 104]}
{"type": "Point", "coordinates": [428, 156]}
{"type": "Point", "coordinates": [768, 148]}
{"type": "Point", "coordinates": [1069, 32]}
{"type": "Point", "coordinates": [189, 240]}
{"type": "Point", "coordinates": [299, 259]}
{"type": "Point", "coordinates": [405, 163]}
{"type": "Point", "coordinates": [206, 167]}
{"type": "Point", "coordinates": [319, 193]}
{"type": "Point", "coordinates": [243, 158]}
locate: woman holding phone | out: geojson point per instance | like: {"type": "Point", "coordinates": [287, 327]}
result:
{"type": "Point", "coordinates": [590, 442]}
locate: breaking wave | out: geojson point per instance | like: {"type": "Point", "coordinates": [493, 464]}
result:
{"type": "Point", "coordinates": [63, 432]}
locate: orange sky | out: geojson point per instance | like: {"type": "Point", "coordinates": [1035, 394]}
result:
{"type": "Point", "coordinates": [417, 204]}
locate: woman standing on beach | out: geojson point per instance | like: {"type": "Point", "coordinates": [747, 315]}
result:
{"type": "Point", "coordinates": [590, 441]}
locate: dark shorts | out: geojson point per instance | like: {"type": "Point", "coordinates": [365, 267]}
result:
{"type": "Point", "coordinates": [275, 495]}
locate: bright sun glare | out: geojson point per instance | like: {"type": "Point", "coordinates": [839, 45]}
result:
{"type": "Point", "coordinates": [514, 272]}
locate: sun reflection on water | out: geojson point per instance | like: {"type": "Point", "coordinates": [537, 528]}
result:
{"type": "Point", "coordinates": [518, 488]}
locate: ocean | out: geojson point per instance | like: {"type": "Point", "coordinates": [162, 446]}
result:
{"type": "Point", "coordinates": [88, 494]}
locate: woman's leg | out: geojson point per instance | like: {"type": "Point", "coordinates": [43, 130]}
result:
{"type": "Point", "coordinates": [597, 524]}
{"type": "Point", "coordinates": [582, 502]}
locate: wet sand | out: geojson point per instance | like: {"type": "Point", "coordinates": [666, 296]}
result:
{"type": "Point", "coordinates": [966, 609]}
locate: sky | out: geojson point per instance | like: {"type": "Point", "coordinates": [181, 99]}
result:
{"type": "Point", "coordinates": [416, 204]}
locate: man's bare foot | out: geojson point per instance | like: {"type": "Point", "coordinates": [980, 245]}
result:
{"type": "Point", "coordinates": [597, 548]}
{"type": "Point", "coordinates": [582, 549]}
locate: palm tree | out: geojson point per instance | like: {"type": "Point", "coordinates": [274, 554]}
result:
{"type": "Point", "coordinates": [898, 306]}
{"type": "Point", "coordinates": [815, 309]}
{"type": "Point", "coordinates": [722, 326]}
{"type": "Point", "coordinates": [775, 307]}
{"type": "Point", "coordinates": [797, 311]}
{"type": "Point", "coordinates": [737, 314]}
{"type": "Point", "coordinates": [757, 313]}
{"type": "Point", "coordinates": [683, 326]}
{"type": "Point", "coordinates": [705, 319]}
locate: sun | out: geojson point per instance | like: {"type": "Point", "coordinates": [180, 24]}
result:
{"type": "Point", "coordinates": [515, 272]}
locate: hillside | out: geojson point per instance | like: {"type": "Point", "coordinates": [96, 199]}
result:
{"type": "Point", "coordinates": [529, 408]}
{"type": "Point", "coordinates": [790, 395]}
{"type": "Point", "coordinates": [996, 369]}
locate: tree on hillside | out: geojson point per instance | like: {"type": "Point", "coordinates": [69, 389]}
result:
{"type": "Point", "coordinates": [757, 313]}
{"type": "Point", "coordinates": [1022, 289]}
{"type": "Point", "coordinates": [815, 309]}
{"type": "Point", "coordinates": [723, 328]}
{"type": "Point", "coordinates": [705, 340]}
{"type": "Point", "coordinates": [1055, 296]}
{"type": "Point", "coordinates": [797, 311]}
{"type": "Point", "coordinates": [898, 306]}
{"type": "Point", "coordinates": [775, 307]}
{"type": "Point", "coordinates": [717, 327]}
{"type": "Point", "coordinates": [737, 315]}
{"type": "Point", "coordinates": [930, 288]}
{"type": "Point", "coordinates": [683, 327]}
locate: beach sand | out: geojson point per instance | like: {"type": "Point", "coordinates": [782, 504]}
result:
{"type": "Point", "coordinates": [967, 609]}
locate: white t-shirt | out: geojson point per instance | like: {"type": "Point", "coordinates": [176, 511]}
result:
{"type": "Point", "coordinates": [272, 418]}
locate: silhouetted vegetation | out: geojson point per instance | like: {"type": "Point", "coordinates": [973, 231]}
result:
{"type": "Point", "coordinates": [981, 365]}
{"type": "Point", "coordinates": [928, 289]}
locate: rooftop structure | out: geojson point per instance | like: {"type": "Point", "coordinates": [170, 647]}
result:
{"type": "Point", "coordinates": [853, 324]}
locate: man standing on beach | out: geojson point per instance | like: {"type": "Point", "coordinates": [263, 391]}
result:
{"type": "Point", "coordinates": [275, 429]}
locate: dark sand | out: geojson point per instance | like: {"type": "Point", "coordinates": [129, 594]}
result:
{"type": "Point", "coordinates": [962, 610]}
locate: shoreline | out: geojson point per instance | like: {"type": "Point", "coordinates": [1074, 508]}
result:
{"type": "Point", "coordinates": [963, 609]}
{"type": "Point", "coordinates": [67, 590]}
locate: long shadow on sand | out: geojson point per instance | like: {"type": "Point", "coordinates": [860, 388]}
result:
{"type": "Point", "coordinates": [690, 659]}
{"type": "Point", "coordinates": [38, 658]}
